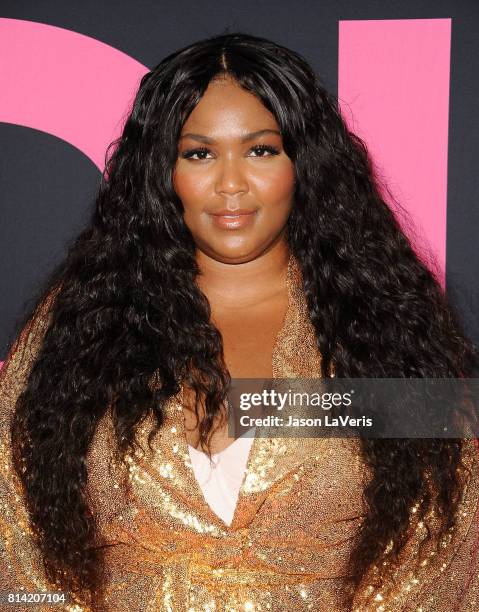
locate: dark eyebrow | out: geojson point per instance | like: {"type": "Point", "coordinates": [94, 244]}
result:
{"type": "Point", "coordinates": [244, 138]}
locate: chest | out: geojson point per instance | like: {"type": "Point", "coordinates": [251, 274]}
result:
{"type": "Point", "coordinates": [249, 337]}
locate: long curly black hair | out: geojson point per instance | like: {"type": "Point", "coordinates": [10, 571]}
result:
{"type": "Point", "coordinates": [126, 306]}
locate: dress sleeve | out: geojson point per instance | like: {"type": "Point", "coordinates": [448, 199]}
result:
{"type": "Point", "coordinates": [429, 578]}
{"type": "Point", "coordinates": [21, 565]}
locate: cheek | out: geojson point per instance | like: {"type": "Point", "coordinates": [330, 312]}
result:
{"type": "Point", "coordinates": [277, 187]}
{"type": "Point", "coordinates": [190, 187]}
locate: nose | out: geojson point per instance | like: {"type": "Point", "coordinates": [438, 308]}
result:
{"type": "Point", "coordinates": [231, 180]}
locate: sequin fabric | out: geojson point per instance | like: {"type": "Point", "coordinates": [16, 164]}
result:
{"type": "Point", "coordinates": [296, 520]}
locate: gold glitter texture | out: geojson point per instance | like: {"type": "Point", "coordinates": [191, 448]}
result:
{"type": "Point", "coordinates": [296, 520]}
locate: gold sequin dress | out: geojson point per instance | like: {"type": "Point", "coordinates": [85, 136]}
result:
{"type": "Point", "coordinates": [296, 520]}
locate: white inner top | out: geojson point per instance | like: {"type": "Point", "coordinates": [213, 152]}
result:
{"type": "Point", "coordinates": [221, 481]}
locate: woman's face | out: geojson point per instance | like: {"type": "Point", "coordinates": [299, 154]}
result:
{"type": "Point", "coordinates": [232, 175]}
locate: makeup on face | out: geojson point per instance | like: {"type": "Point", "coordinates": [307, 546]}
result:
{"type": "Point", "coordinates": [232, 175]}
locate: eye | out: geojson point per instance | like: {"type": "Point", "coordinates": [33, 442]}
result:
{"type": "Point", "coordinates": [261, 149]}
{"type": "Point", "coordinates": [200, 151]}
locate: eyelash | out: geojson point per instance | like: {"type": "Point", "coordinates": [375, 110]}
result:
{"type": "Point", "coordinates": [189, 154]}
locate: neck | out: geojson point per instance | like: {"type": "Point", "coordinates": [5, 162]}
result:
{"type": "Point", "coordinates": [244, 284]}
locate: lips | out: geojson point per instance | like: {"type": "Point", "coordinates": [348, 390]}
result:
{"type": "Point", "coordinates": [224, 212]}
{"type": "Point", "coordinates": [233, 219]}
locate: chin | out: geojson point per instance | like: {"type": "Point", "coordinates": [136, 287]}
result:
{"type": "Point", "coordinates": [234, 255]}
{"type": "Point", "coordinates": [242, 257]}
{"type": "Point", "coordinates": [231, 249]}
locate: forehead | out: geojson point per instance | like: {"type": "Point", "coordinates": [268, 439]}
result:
{"type": "Point", "coordinates": [227, 108]}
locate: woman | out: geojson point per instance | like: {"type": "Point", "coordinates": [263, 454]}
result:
{"type": "Point", "coordinates": [238, 233]}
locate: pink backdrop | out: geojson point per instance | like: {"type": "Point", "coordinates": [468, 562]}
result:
{"type": "Point", "coordinates": [393, 87]}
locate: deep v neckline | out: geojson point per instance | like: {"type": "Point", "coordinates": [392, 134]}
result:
{"type": "Point", "coordinates": [257, 441]}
